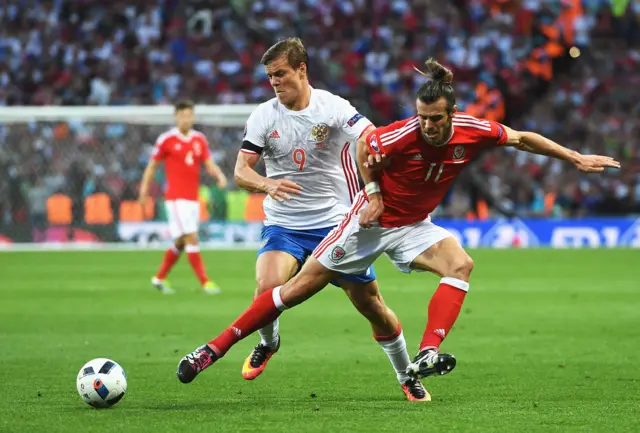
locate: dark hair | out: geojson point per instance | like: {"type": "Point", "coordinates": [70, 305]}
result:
{"type": "Point", "coordinates": [293, 48]}
{"type": "Point", "coordinates": [438, 84]}
{"type": "Point", "coordinates": [184, 105]}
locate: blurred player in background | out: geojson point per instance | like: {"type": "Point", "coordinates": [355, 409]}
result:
{"type": "Point", "coordinates": [304, 136]}
{"type": "Point", "coordinates": [183, 150]}
{"type": "Point", "coordinates": [423, 155]}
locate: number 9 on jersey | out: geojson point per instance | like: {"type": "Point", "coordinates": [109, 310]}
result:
{"type": "Point", "coordinates": [299, 157]}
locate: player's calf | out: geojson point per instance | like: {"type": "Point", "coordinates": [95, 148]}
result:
{"type": "Point", "coordinates": [192, 248]}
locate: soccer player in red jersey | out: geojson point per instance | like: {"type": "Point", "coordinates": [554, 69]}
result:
{"type": "Point", "coordinates": [420, 157]}
{"type": "Point", "coordinates": [183, 150]}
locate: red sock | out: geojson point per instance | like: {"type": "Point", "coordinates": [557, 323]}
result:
{"type": "Point", "coordinates": [263, 311]}
{"type": "Point", "coordinates": [193, 254]}
{"type": "Point", "coordinates": [171, 256]}
{"type": "Point", "coordinates": [444, 309]}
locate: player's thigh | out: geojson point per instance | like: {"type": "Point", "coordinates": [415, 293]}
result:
{"type": "Point", "coordinates": [312, 278]}
{"type": "Point", "coordinates": [182, 216]}
{"type": "Point", "coordinates": [411, 244]}
{"type": "Point", "coordinates": [349, 249]}
{"type": "Point", "coordinates": [274, 268]}
{"type": "Point", "coordinates": [173, 220]}
{"type": "Point", "coordinates": [445, 258]}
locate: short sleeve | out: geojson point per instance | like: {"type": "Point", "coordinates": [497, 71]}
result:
{"type": "Point", "coordinates": [484, 132]}
{"type": "Point", "coordinates": [206, 151]}
{"type": "Point", "coordinates": [254, 130]}
{"type": "Point", "coordinates": [353, 124]}
{"type": "Point", "coordinates": [498, 133]}
{"type": "Point", "coordinates": [158, 153]}
{"type": "Point", "coordinates": [383, 139]}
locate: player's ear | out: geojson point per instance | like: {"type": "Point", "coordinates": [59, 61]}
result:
{"type": "Point", "coordinates": [303, 70]}
{"type": "Point", "coordinates": [454, 109]}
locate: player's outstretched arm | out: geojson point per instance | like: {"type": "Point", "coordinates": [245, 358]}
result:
{"type": "Point", "coordinates": [214, 171]}
{"type": "Point", "coordinates": [146, 180]}
{"type": "Point", "coordinates": [374, 209]}
{"type": "Point", "coordinates": [247, 178]}
{"type": "Point", "coordinates": [536, 143]}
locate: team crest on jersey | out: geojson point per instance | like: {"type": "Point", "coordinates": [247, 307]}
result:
{"type": "Point", "coordinates": [337, 254]}
{"type": "Point", "coordinates": [196, 148]}
{"type": "Point", "coordinates": [374, 143]}
{"type": "Point", "coordinates": [319, 133]}
{"type": "Point", "coordinates": [458, 152]}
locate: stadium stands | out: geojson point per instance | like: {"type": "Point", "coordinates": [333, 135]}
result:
{"type": "Point", "coordinates": [510, 59]}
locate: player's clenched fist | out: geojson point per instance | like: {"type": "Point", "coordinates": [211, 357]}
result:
{"type": "Point", "coordinates": [281, 188]}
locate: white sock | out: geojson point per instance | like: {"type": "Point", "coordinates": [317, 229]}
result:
{"type": "Point", "coordinates": [269, 334]}
{"type": "Point", "coordinates": [396, 350]}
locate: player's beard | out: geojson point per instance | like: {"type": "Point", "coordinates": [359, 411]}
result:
{"type": "Point", "coordinates": [441, 139]}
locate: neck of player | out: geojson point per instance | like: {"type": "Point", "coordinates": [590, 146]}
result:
{"type": "Point", "coordinates": [302, 101]}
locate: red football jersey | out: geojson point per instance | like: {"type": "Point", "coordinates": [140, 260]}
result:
{"type": "Point", "coordinates": [420, 174]}
{"type": "Point", "coordinates": [182, 156]}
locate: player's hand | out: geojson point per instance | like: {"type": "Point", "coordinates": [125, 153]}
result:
{"type": "Point", "coordinates": [282, 188]}
{"type": "Point", "coordinates": [372, 212]}
{"type": "Point", "coordinates": [377, 162]}
{"type": "Point", "coordinates": [221, 181]}
{"type": "Point", "coordinates": [595, 163]}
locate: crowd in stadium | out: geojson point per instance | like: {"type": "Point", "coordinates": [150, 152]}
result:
{"type": "Point", "coordinates": [510, 58]}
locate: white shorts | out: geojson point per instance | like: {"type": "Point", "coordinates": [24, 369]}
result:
{"type": "Point", "coordinates": [351, 249]}
{"type": "Point", "coordinates": [183, 216]}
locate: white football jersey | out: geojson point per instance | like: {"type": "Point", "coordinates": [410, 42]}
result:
{"type": "Point", "coordinates": [314, 148]}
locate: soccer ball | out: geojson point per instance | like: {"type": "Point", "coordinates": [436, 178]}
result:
{"type": "Point", "coordinates": [101, 383]}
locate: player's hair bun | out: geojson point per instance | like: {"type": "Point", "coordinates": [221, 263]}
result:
{"type": "Point", "coordinates": [436, 72]}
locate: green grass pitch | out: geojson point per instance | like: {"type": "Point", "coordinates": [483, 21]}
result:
{"type": "Point", "coordinates": [547, 341]}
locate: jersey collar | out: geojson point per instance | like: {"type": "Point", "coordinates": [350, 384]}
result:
{"type": "Point", "coordinates": [181, 136]}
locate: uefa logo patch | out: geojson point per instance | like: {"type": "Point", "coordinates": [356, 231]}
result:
{"type": "Point", "coordinates": [355, 119]}
{"type": "Point", "coordinates": [337, 254]}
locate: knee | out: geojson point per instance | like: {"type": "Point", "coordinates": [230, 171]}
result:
{"type": "Point", "coordinates": [190, 239]}
{"type": "Point", "coordinates": [461, 267]}
{"type": "Point", "coordinates": [266, 284]}
{"type": "Point", "coordinates": [179, 244]}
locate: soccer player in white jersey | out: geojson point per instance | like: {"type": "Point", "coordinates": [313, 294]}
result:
{"type": "Point", "coordinates": [305, 135]}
